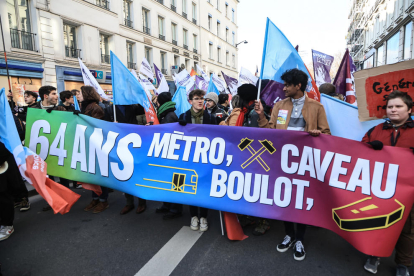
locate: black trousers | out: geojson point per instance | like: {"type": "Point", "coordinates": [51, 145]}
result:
{"type": "Point", "coordinates": [6, 209]}
{"type": "Point", "coordinates": [300, 230]}
{"type": "Point", "coordinates": [18, 189]}
{"type": "Point", "coordinates": [194, 211]}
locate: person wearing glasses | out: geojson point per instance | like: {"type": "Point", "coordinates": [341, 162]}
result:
{"type": "Point", "coordinates": [197, 115]}
{"type": "Point", "coordinates": [211, 100]}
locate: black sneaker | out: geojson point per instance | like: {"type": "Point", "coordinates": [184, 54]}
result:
{"type": "Point", "coordinates": [285, 244]}
{"type": "Point", "coordinates": [372, 264]}
{"type": "Point", "coordinates": [171, 216]}
{"type": "Point", "coordinates": [25, 205]}
{"type": "Point", "coordinates": [402, 270]}
{"type": "Point", "coordinates": [17, 204]}
{"type": "Point", "coordinates": [300, 253]}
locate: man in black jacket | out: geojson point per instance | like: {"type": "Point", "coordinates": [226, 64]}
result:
{"type": "Point", "coordinates": [197, 115]}
{"type": "Point", "coordinates": [66, 98]}
{"type": "Point", "coordinates": [166, 114]}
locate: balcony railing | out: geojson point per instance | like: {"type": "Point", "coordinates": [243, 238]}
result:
{"type": "Point", "coordinates": [128, 23]}
{"type": "Point", "coordinates": [162, 37]}
{"type": "Point", "coordinates": [164, 71]}
{"type": "Point", "coordinates": [131, 65]}
{"type": "Point", "coordinates": [184, 15]}
{"type": "Point", "coordinates": [195, 21]}
{"type": "Point", "coordinates": [105, 58]}
{"type": "Point", "coordinates": [173, 8]}
{"type": "Point", "coordinates": [174, 42]}
{"type": "Point", "coordinates": [72, 52]}
{"type": "Point", "coordinates": [146, 30]}
{"type": "Point", "coordinates": [185, 47]}
{"type": "Point", "coordinates": [161, 2]}
{"type": "Point", "coordinates": [195, 51]}
{"type": "Point", "coordinates": [103, 4]}
{"type": "Point", "coordinates": [22, 40]}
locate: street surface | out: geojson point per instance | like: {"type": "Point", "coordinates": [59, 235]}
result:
{"type": "Point", "coordinates": [81, 243]}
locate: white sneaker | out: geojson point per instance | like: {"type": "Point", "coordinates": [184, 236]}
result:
{"type": "Point", "coordinates": [5, 232]}
{"type": "Point", "coordinates": [194, 223]}
{"type": "Point", "coordinates": [203, 224]}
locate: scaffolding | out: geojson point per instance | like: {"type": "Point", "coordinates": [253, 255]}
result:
{"type": "Point", "coordinates": [358, 19]}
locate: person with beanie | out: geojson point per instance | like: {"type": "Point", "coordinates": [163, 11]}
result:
{"type": "Point", "coordinates": [197, 115]}
{"type": "Point", "coordinates": [211, 100]}
{"type": "Point", "coordinates": [166, 114]}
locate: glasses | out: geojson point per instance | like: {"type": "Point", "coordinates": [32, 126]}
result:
{"type": "Point", "coordinates": [208, 100]}
{"type": "Point", "coordinates": [198, 99]}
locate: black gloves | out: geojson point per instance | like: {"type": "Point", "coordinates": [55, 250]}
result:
{"type": "Point", "coordinates": [76, 112]}
{"type": "Point", "coordinates": [49, 110]}
{"type": "Point", "coordinates": [182, 122]}
{"type": "Point", "coordinates": [376, 145]}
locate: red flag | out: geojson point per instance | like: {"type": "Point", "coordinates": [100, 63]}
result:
{"type": "Point", "coordinates": [233, 227]}
{"type": "Point", "coordinates": [151, 115]}
{"type": "Point", "coordinates": [193, 73]}
{"type": "Point", "coordinates": [314, 92]}
{"type": "Point", "coordinates": [60, 198]}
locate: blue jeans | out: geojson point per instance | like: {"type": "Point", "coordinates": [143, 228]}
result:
{"type": "Point", "coordinates": [103, 197]}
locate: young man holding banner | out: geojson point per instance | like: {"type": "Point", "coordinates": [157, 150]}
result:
{"type": "Point", "coordinates": [398, 131]}
{"type": "Point", "coordinates": [299, 113]}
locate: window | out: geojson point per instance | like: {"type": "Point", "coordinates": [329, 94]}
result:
{"type": "Point", "coordinates": [227, 58]}
{"type": "Point", "coordinates": [407, 40]}
{"type": "Point", "coordinates": [218, 4]}
{"type": "Point", "coordinates": [210, 50]}
{"type": "Point", "coordinates": [174, 33]}
{"type": "Point", "coordinates": [161, 28]}
{"type": "Point", "coordinates": [369, 62]}
{"type": "Point", "coordinates": [194, 6]}
{"type": "Point", "coordinates": [227, 34]}
{"type": "Point", "coordinates": [232, 15]}
{"type": "Point", "coordinates": [104, 45]}
{"type": "Point", "coordinates": [20, 27]}
{"type": "Point", "coordinates": [103, 4]}
{"type": "Point", "coordinates": [218, 28]}
{"type": "Point", "coordinates": [69, 37]}
{"type": "Point", "coordinates": [185, 8]}
{"type": "Point", "coordinates": [145, 21]}
{"type": "Point", "coordinates": [127, 13]}
{"type": "Point", "coordinates": [185, 42]}
{"type": "Point", "coordinates": [227, 9]}
{"type": "Point", "coordinates": [148, 55]}
{"type": "Point", "coordinates": [392, 49]}
{"type": "Point", "coordinates": [209, 22]}
{"type": "Point", "coordinates": [380, 56]}
{"type": "Point", "coordinates": [218, 54]}
{"type": "Point", "coordinates": [130, 55]}
{"type": "Point", "coordinates": [234, 60]}
{"type": "Point", "coordinates": [233, 38]}
{"type": "Point", "coordinates": [176, 60]}
{"type": "Point", "coordinates": [187, 64]}
{"type": "Point", "coordinates": [195, 42]}
{"type": "Point", "coordinates": [163, 54]}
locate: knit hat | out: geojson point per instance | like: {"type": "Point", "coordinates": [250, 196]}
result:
{"type": "Point", "coordinates": [247, 92]}
{"type": "Point", "coordinates": [212, 96]}
{"type": "Point", "coordinates": [164, 97]}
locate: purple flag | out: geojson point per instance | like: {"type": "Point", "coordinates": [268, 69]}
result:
{"type": "Point", "coordinates": [232, 83]}
{"type": "Point", "coordinates": [201, 83]}
{"type": "Point", "coordinates": [321, 67]}
{"type": "Point", "coordinates": [272, 93]}
{"type": "Point", "coordinates": [344, 79]}
{"type": "Point", "coordinates": [162, 83]}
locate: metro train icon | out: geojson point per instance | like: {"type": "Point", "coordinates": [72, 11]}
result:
{"type": "Point", "coordinates": [172, 179]}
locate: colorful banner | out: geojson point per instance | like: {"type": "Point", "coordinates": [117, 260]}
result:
{"type": "Point", "coordinates": [322, 67]}
{"type": "Point", "coordinates": [361, 194]}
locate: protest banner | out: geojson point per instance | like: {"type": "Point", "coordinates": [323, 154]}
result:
{"type": "Point", "coordinates": [374, 85]}
{"type": "Point", "coordinates": [245, 76]}
{"type": "Point", "coordinates": [201, 83]}
{"type": "Point", "coordinates": [232, 83]}
{"type": "Point", "coordinates": [184, 79]}
{"type": "Point", "coordinates": [88, 79]}
{"type": "Point", "coordinates": [321, 67]}
{"type": "Point", "coordinates": [202, 73]}
{"type": "Point", "coordinates": [162, 82]}
{"type": "Point", "coordinates": [146, 69]}
{"type": "Point", "coordinates": [361, 194]}
{"type": "Point", "coordinates": [218, 82]}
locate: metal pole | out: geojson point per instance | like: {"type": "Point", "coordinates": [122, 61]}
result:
{"type": "Point", "coordinates": [5, 56]}
{"type": "Point", "coordinates": [114, 113]}
{"type": "Point", "coordinates": [221, 221]}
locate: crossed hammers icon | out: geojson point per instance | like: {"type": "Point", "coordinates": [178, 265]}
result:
{"type": "Point", "coordinates": [256, 155]}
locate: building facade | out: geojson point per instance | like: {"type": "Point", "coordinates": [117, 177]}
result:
{"type": "Point", "coordinates": [380, 32]}
{"type": "Point", "coordinates": [44, 39]}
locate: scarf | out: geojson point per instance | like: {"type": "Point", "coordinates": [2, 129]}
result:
{"type": "Point", "coordinates": [197, 115]}
{"type": "Point", "coordinates": [165, 107]}
{"type": "Point", "coordinates": [243, 111]}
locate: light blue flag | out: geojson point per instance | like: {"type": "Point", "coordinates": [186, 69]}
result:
{"type": "Point", "coordinates": [343, 119]}
{"type": "Point", "coordinates": [212, 87]}
{"type": "Point", "coordinates": [75, 103]}
{"type": "Point", "coordinates": [126, 88]}
{"type": "Point", "coordinates": [180, 99]}
{"type": "Point", "coordinates": [279, 55]}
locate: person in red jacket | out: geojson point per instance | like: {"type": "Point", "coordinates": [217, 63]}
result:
{"type": "Point", "coordinates": [397, 131]}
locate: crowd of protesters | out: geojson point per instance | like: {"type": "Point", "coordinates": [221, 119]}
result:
{"type": "Point", "coordinates": [297, 112]}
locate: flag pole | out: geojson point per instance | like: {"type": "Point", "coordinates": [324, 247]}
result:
{"type": "Point", "coordinates": [114, 113]}
{"type": "Point", "coordinates": [263, 59]}
{"type": "Point", "coordinates": [5, 56]}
